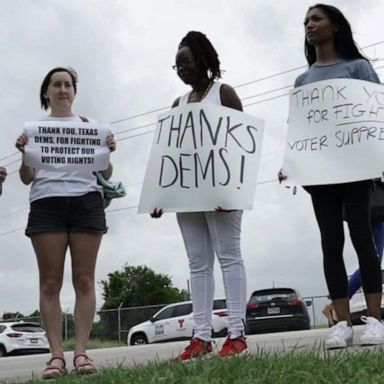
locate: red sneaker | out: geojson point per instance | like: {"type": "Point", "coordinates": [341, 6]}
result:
{"type": "Point", "coordinates": [233, 347]}
{"type": "Point", "coordinates": [196, 348]}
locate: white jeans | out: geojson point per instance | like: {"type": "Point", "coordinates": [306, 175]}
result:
{"type": "Point", "coordinates": [204, 234]}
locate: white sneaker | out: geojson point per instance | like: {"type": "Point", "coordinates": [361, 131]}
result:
{"type": "Point", "coordinates": [340, 336]}
{"type": "Point", "coordinates": [373, 332]}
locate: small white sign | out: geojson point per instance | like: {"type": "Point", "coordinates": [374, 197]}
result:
{"type": "Point", "coordinates": [67, 146]}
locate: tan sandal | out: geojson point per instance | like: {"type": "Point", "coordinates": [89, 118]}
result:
{"type": "Point", "coordinates": [86, 367]}
{"type": "Point", "coordinates": [52, 371]}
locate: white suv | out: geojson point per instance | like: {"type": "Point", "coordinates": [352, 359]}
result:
{"type": "Point", "coordinates": [175, 322]}
{"type": "Point", "coordinates": [22, 337]}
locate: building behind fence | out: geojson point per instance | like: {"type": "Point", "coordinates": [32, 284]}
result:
{"type": "Point", "coordinates": [114, 324]}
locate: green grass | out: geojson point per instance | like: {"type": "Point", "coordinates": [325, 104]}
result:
{"type": "Point", "coordinates": [318, 367]}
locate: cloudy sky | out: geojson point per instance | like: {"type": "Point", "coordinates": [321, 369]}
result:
{"type": "Point", "coordinates": [123, 52]}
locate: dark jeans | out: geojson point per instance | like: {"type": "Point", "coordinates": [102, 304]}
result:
{"type": "Point", "coordinates": [328, 201]}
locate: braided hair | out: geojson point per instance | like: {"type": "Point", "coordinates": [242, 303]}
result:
{"type": "Point", "coordinates": [203, 52]}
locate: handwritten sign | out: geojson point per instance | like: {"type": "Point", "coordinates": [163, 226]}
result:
{"type": "Point", "coordinates": [69, 146]}
{"type": "Point", "coordinates": [335, 132]}
{"type": "Point", "coordinates": [203, 156]}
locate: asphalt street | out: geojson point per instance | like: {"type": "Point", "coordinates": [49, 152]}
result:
{"type": "Point", "coordinates": [21, 368]}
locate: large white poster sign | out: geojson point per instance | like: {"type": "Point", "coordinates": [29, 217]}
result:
{"type": "Point", "coordinates": [203, 156]}
{"type": "Point", "coordinates": [67, 146]}
{"type": "Point", "coordinates": [335, 132]}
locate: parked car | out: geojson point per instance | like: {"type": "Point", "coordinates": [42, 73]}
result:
{"type": "Point", "coordinates": [358, 305]}
{"type": "Point", "coordinates": [276, 309]}
{"type": "Point", "coordinates": [175, 322]}
{"type": "Point", "coordinates": [22, 338]}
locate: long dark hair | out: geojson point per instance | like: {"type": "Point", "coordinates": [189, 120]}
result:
{"type": "Point", "coordinates": [203, 52]}
{"type": "Point", "coordinates": [44, 85]}
{"type": "Point", "coordinates": [346, 47]}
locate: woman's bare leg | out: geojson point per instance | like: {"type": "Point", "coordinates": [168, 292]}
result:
{"type": "Point", "coordinates": [84, 248]}
{"type": "Point", "coordinates": [50, 249]}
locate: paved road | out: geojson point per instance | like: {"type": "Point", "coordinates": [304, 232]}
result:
{"type": "Point", "coordinates": [30, 366]}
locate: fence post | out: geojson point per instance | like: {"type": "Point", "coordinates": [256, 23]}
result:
{"type": "Point", "coordinates": [313, 312]}
{"type": "Point", "coordinates": [65, 326]}
{"type": "Point", "coordinates": [119, 322]}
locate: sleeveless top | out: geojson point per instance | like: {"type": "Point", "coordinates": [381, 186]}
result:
{"type": "Point", "coordinates": [213, 95]}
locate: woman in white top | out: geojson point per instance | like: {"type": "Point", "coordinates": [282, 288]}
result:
{"type": "Point", "coordinates": [66, 212]}
{"type": "Point", "coordinates": [215, 232]}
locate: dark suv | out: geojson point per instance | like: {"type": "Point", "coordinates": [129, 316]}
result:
{"type": "Point", "coordinates": [276, 309]}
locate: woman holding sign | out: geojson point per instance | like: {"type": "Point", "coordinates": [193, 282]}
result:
{"type": "Point", "coordinates": [331, 53]}
{"type": "Point", "coordinates": [217, 231]}
{"type": "Point", "coordinates": [66, 212]}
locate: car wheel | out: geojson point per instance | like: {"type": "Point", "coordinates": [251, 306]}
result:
{"type": "Point", "coordinates": [3, 352]}
{"type": "Point", "coordinates": [139, 339]}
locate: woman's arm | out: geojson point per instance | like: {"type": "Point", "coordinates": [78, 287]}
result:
{"type": "Point", "coordinates": [107, 173]}
{"type": "Point", "coordinates": [27, 174]}
{"type": "Point", "coordinates": [111, 143]}
{"type": "Point", "coordinates": [176, 103]}
{"type": "Point", "coordinates": [229, 97]}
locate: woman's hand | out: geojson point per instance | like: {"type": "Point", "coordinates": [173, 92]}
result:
{"type": "Point", "coordinates": [221, 209]}
{"type": "Point", "coordinates": [111, 143]}
{"type": "Point", "coordinates": [21, 142]}
{"type": "Point", "coordinates": [156, 214]}
{"type": "Point", "coordinates": [3, 174]}
{"type": "Point", "coordinates": [281, 176]}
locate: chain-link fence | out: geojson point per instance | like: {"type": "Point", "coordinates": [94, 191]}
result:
{"type": "Point", "coordinates": [114, 324]}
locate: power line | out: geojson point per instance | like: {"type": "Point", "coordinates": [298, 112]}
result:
{"type": "Point", "coordinates": [267, 92]}
{"type": "Point", "coordinates": [13, 230]}
{"type": "Point", "coordinates": [243, 99]}
{"type": "Point", "coordinates": [237, 86]}
{"type": "Point", "coordinates": [264, 100]}
{"type": "Point", "coordinates": [154, 123]}
{"type": "Point", "coordinates": [139, 115]}
{"type": "Point", "coordinates": [120, 209]}
{"type": "Point", "coordinates": [12, 162]}
{"type": "Point", "coordinates": [164, 108]}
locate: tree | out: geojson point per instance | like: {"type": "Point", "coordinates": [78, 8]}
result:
{"type": "Point", "coordinates": [12, 316]}
{"type": "Point", "coordinates": [133, 287]}
{"type": "Point", "coordinates": [139, 286]}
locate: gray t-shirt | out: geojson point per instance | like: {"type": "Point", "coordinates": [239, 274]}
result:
{"type": "Point", "coordinates": [340, 69]}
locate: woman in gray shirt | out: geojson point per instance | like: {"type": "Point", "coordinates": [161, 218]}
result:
{"type": "Point", "coordinates": [331, 53]}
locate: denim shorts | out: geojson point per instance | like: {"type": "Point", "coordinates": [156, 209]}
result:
{"type": "Point", "coordinates": [67, 214]}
